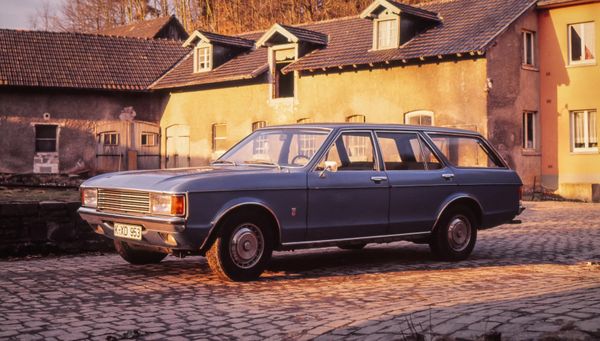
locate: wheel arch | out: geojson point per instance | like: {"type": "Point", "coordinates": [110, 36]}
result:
{"type": "Point", "coordinates": [461, 200]}
{"type": "Point", "coordinates": [238, 208]}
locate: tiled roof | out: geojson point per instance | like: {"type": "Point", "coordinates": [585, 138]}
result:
{"type": "Point", "coordinates": [227, 40]}
{"type": "Point", "coordinates": [467, 26]}
{"type": "Point", "coordinates": [308, 36]}
{"type": "Point", "coordinates": [246, 65]}
{"type": "Point", "coordinates": [144, 29]}
{"type": "Point", "coordinates": [87, 61]}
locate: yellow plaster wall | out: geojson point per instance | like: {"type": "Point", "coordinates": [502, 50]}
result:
{"type": "Point", "coordinates": [566, 88]}
{"type": "Point", "coordinates": [454, 91]}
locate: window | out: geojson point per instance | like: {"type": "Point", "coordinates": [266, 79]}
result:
{"type": "Point", "coordinates": [149, 139]}
{"type": "Point", "coordinates": [466, 151]}
{"type": "Point", "coordinates": [283, 83]}
{"type": "Point", "coordinates": [202, 59]}
{"type": "Point", "coordinates": [406, 151]}
{"type": "Point", "coordinates": [219, 137]}
{"type": "Point", "coordinates": [584, 131]}
{"type": "Point", "coordinates": [345, 155]}
{"type": "Point", "coordinates": [530, 130]}
{"type": "Point", "coordinates": [387, 34]}
{"type": "Point", "coordinates": [356, 119]}
{"type": "Point", "coordinates": [582, 49]}
{"type": "Point", "coordinates": [529, 48]}
{"type": "Point", "coordinates": [110, 138]}
{"type": "Point", "coordinates": [258, 124]}
{"type": "Point", "coordinates": [420, 118]}
{"type": "Point", "coordinates": [45, 138]}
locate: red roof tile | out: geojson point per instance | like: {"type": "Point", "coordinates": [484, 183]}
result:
{"type": "Point", "coordinates": [227, 40]}
{"type": "Point", "coordinates": [307, 36]}
{"type": "Point", "coordinates": [467, 26]}
{"type": "Point", "coordinates": [87, 61]}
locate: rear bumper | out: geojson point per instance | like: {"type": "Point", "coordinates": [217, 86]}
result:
{"type": "Point", "coordinates": [164, 233]}
{"type": "Point", "coordinates": [521, 209]}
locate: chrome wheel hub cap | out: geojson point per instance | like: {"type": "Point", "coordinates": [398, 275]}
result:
{"type": "Point", "coordinates": [247, 245]}
{"type": "Point", "coordinates": [459, 233]}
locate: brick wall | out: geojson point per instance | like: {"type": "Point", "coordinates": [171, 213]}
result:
{"type": "Point", "coordinates": [46, 227]}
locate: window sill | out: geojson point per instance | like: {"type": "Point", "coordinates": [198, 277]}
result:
{"type": "Point", "coordinates": [530, 152]}
{"type": "Point", "coordinates": [282, 100]}
{"type": "Point", "coordinates": [585, 152]}
{"type": "Point", "coordinates": [582, 64]}
{"type": "Point", "coordinates": [530, 67]}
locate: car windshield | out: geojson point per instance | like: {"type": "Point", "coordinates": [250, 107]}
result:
{"type": "Point", "coordinates": [276, 147]}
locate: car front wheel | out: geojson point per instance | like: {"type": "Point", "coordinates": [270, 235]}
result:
{"type": "Point", "coordinates": [454, 236]}
{"type": "Point", "coordinates": [137, 256]}
{"type": "Point", "coordinates": [242, 249]}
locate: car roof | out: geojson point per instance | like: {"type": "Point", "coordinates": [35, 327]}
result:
{"type": "Point", "coordinates": [378, 126]}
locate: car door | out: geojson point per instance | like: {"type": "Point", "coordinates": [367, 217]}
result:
{"type": "Point", "coordinates": [419, 181]}
{"type": "Point", "coordinates": [348, 199]}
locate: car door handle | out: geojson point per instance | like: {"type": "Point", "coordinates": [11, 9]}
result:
{"type": "Point", "coordinates": [378, 179]}
{"type": "Point", "coordinates": [448, 176]}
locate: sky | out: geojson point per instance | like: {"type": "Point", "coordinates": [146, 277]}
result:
{"type": "Point", "coordinates": [16, 13]}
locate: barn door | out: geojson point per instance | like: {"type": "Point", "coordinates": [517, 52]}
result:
{"type": "Point", "coordinates": [147, 144]}
{"type": "Point", "coordinates": [178, 146]}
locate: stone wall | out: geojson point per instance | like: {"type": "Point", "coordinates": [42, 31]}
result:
{"type": "Point", "coordinates": [46, 227]}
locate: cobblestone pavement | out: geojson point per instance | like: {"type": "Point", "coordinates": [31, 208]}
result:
{"type": "Point", "coordinates": [525, 281]}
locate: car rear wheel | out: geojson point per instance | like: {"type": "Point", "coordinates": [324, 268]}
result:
{"type": "Point", "coordinates": [352, 246]}
{"type": "Point", "coordinates": [454, 236]}
{"type": "Point", "coordinates": [242, 249]}
{"type": "Point", "coordinates": [137, 256]}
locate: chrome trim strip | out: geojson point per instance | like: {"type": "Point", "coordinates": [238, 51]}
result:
{"type": "Point", "coordinates": [220, 216]}
{"type": "Point", "coordinates": [160, 220]}
{"type": "Point", "coordinates": [355, 238]}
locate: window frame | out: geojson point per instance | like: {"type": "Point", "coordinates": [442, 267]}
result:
{"type": "Point", "coordinates": [485, 143]}
{"type": "Point", "coordinates": [586, 127]}
{"type": "Point", "coordinates": [55, 139]}
{"type": "Point", "coordinates": [533, 35]}
{"type": "Point", "coordinates": [207, 58]}
{"type": "Point", "coordinates": [214, 137]}
{"type": "Point", "coordinates": [423, 141]}
{"type": "Point", "coordinates": [350, 118]}
{"type": "Point", "coordinates": [414, 113]}
{"type": "Point", "coordinates": [112, 132]}
{"type": "Point", "coordinates": [258, 125]}
{"type": "Point", "coordinates": [377, 33]}
{"type": "Point", "coordinates": [569, 47]}
{"type": "Point", "coordinates": [319, 155]}
{"type": "Point", "coordinates": [154, 139]}
{"type": "Point", "coordinates": [273, 90]}
{"type": "Point", "coordinates": [536, 131]}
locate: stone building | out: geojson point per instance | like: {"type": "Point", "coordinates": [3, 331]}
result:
{"type": "Point", "coordinates": [458, 63]}
{"type": "Point", "coordinates": [72, 102]}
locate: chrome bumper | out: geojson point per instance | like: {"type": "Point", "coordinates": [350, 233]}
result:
{"type": "Point", "coordinates": [161, 224]}
{"type": "Point", "coordinates": [521, 209]}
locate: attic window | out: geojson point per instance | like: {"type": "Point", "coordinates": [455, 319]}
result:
{"type": "Point", "coordinates": [387, 34]}
{"type": "Point", "coordinates": [202, 59]}
{"type": "Point", "coordinates": [283, 83]}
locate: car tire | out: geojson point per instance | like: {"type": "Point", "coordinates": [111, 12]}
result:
{"type": "Point", "coordinates": [243, 247]}
{"type": "Point", "coordinates": [455, 234]}
{"type": "Point", "coordinates": [352, 246]}
{"type": "Point", "coordinates": [137, 256]}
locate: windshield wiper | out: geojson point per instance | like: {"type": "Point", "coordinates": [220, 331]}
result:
{"type": "Point", "coordinates": [224, 162]}
{"type": "Point", "coordinates": [262, 162]}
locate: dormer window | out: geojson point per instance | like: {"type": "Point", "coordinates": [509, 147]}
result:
{"type": "Point", "coordinates": [202, 59]}
{"type": "Point", "coordinates": [387, 34]}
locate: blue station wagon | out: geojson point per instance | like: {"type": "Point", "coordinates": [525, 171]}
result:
{"type": "Point", "coordinates": [305, 186]}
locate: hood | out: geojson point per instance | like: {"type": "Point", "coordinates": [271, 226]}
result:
{"type": "Point", "coordinates": [189, 179]}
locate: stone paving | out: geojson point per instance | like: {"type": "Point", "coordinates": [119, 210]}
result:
{"type": "Point", "coordinates": [537, 280]}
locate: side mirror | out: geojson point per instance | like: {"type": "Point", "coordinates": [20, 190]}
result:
{"type": "Point", "coordinates": [330, 166]}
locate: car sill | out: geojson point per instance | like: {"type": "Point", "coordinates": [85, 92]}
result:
{"type": "Point", "coordinates": [369, 239]}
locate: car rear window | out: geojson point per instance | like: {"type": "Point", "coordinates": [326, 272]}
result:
{"type": "Point", "coordinates": [466, 151]}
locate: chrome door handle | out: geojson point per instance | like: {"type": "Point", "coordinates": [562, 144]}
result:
{"type": "Point", "coordinates": [378, 179]}
{"type": "Point", "coordinates": [448, 176]}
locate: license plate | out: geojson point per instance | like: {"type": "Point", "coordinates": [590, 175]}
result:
{"type": "Point", "coordinates": [128, 231]}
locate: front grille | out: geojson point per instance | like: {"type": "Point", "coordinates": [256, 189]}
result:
{"type": "Point", "coordinates": [123, 201]}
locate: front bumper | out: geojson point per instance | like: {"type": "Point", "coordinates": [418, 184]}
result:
{"type": "Point", "coordinates": [168, 233]}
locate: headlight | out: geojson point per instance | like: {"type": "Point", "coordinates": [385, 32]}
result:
{"type": "Point", "coordinates": [167, 204]}
{"type": "Point", "coordinates": [89, 197]}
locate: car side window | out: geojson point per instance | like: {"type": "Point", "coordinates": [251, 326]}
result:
{"type": "Point", "coordinates": [466, 151]}
{"type": "Point", "coordinates": [406, 151]}
{"type": "Point", "coordinates": [352, 151]}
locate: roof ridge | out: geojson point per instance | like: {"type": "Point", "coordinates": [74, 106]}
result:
{"type": "Point", "coordinates": [90, 35]}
